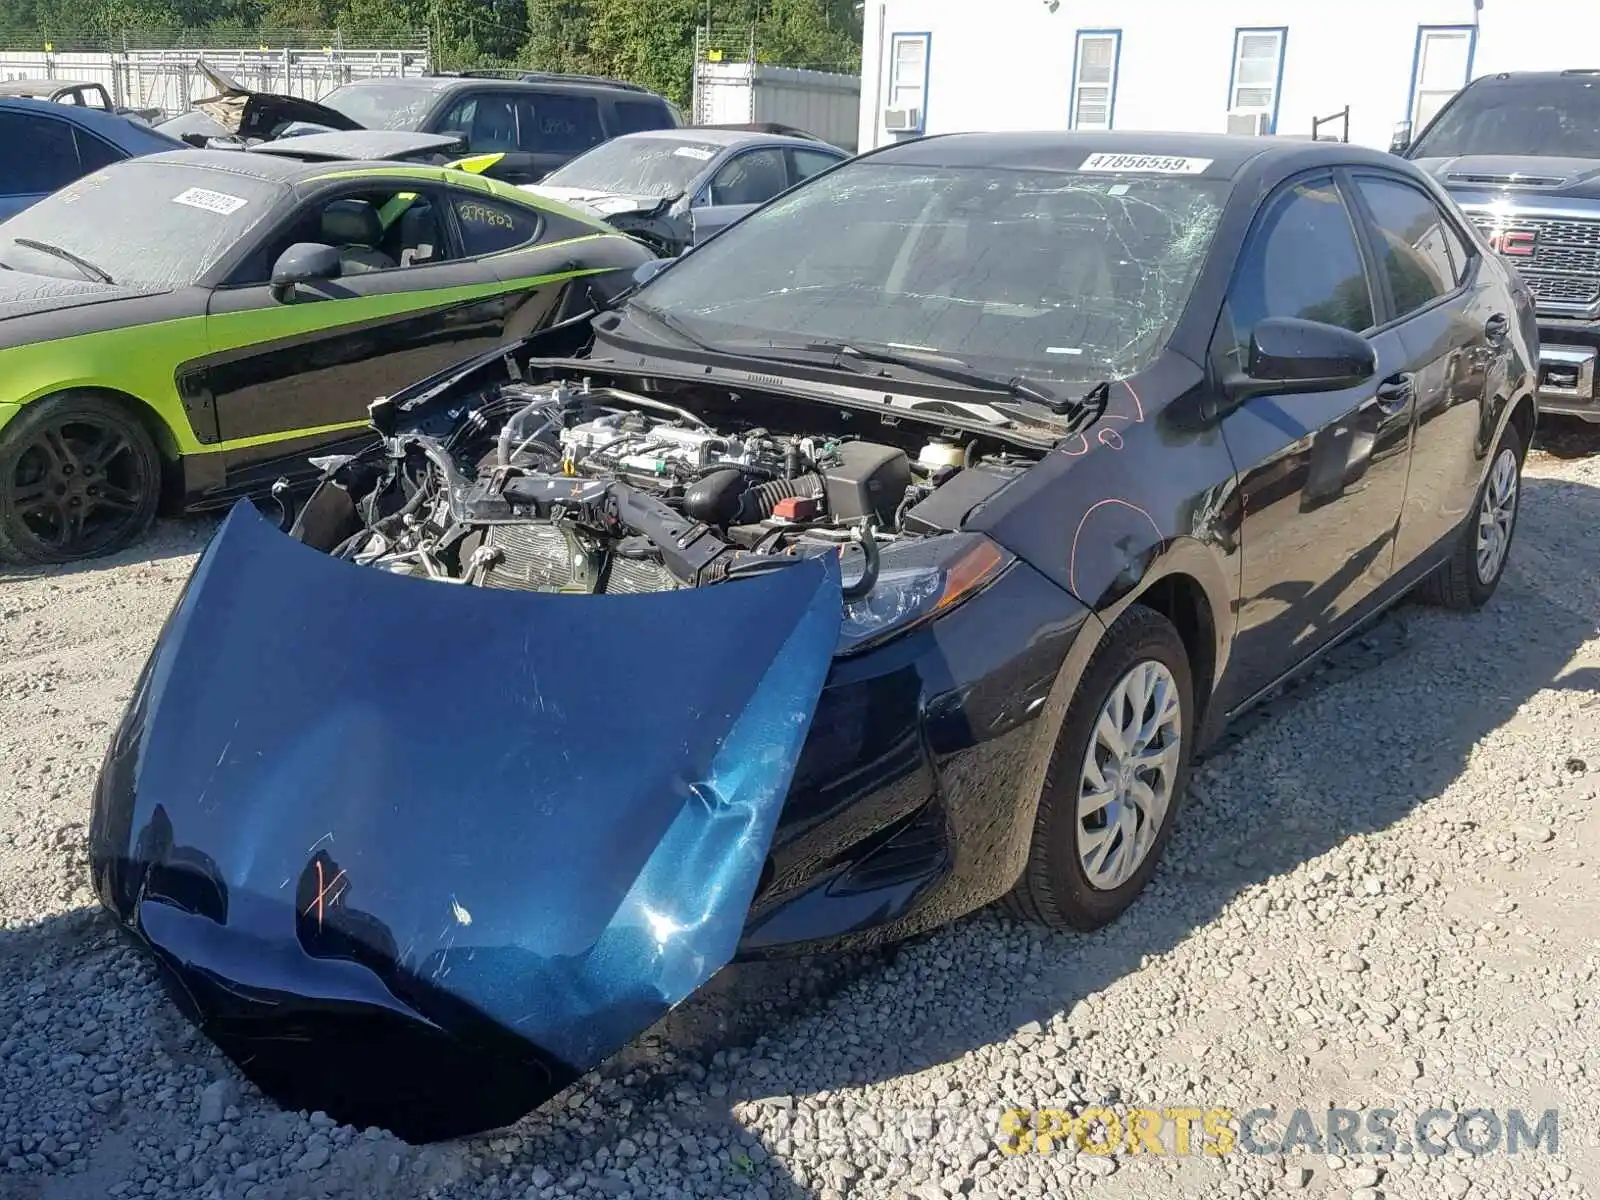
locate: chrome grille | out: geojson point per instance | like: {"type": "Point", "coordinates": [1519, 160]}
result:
{"type": "Point", "coordinates": [1579, 293]}
{"type": "Point", "coordinates": [1564, 271]}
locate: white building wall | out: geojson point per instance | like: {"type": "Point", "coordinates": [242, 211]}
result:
{"type": "Point", "coordinates": [1008, 64]}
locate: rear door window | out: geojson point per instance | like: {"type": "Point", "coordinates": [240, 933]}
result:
{"type": "Point", "coordinates": [39, 154]}
{"type": "Point", "coordinates": [550, 123]}
{"type": "Point", "coordinates": [809, 162]}
{"type": "Point", "coordinates": [93, 153]}
{"type": "Point", "coordinates": [1413, 243]}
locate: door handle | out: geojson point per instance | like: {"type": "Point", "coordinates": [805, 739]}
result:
{"type": "Point", "coordinates": [1496, 328]}
{"type": "Point", "coordinates": [1394, 393]}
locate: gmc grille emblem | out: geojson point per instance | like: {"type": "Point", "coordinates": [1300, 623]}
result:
{"type": "Point", "coordinates": [1513, 243]}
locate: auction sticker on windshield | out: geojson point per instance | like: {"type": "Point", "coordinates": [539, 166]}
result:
{"type": "Point", "coordinates": [697, 152]}
{"type": "Point", "coordinates": [217, 202]}
{"type": "Point", "coordinates": [1164, 164]}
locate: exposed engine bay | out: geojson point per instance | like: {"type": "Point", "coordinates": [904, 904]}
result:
{"type": "Point", "coordinates": [570, 487]}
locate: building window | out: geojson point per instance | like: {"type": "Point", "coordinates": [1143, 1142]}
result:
{"type": "Point", "coordinates": [908, 82]}
{"type": "Point", "coordinates": [1094, 78]}
{"type": "Point", "coordinates": [1440, 67]}
{"type": "Point", "coordinates": [1256, 80]}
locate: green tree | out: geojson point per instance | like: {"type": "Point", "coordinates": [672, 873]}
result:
{"type": "Point", "coordinates": [558, 36]}
{"type": "Point", "coordinates": [651, 44]}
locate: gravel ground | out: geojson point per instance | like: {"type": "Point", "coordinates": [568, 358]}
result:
{"type": "Point", "coordinates": [1383, 896]}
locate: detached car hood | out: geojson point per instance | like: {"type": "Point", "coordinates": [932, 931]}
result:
{"type": "Point", "coordinates": [1567, 178]}
{"type": "Point", "coordinates": [25, 295]}
{"type": "Point", "coordinates": [603, 204]}
{"type": "Point", "coordinates": [257, 116]}
{"type": "Point", "coordinates": [420, 855]}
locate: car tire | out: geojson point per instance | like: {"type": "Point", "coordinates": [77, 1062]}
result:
{"type": "Point", "coordinates": [1467, 579]}
{"type": "Point", "coordinates": [79, 478]}
{"type": "Point", "coordinates": [1074, 878]}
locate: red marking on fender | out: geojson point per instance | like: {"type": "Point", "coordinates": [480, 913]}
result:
{"type": "Point", "coordinates": [1083, 443]}
{"type": "Point", "coordinates": [1072, 560]}
{"type": "Point", "coordinates": [1111, 438]}
{"type": "Point", "coordinates": [1137, 403]}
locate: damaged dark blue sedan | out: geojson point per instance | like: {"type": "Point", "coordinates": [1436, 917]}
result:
{"type": "Point", "coordinates": [889, 555]}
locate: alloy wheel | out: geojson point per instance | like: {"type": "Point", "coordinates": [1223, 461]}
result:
{"type": "Point", "coordinates": [76, 486]}
{"type": "Point", "coordinates": [1497, 514]}
{"type": "Point", "coordinates": [1129, 774]}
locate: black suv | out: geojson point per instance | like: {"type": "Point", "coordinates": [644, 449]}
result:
{"type": "Point", "coordinates": [1520, 153]}
{"type": "Point", "coordinates": [538, 122]}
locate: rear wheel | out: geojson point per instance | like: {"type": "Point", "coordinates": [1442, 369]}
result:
{"type": "Point", "coordinates": [1116, 778]}
{"type": "Point", "coordinates": [1467, 579]}
{"type": "Point", "coordinates": [79, 477]}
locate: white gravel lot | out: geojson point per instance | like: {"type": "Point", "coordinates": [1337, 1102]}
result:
{"type": "Point", "coordinates": [1383, 895]}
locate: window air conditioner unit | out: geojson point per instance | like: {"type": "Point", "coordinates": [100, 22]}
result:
{"type": "Point", "coordinates": [1256, 123]}
{"type": "Point", "coordinates": [902, 120]}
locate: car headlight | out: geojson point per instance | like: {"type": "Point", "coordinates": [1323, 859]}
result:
{"type": "Point", "coordinates": [917, 580]}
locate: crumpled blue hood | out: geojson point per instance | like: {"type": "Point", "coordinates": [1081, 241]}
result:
{"type": "Point", "coordinates": [496, 819]}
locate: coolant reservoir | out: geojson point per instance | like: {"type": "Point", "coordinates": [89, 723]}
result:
{"type": "Point", "coordinates": [939, 454]}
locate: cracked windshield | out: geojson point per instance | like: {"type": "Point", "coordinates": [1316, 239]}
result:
{"type": "Point", "coordinates": [1048, 273]}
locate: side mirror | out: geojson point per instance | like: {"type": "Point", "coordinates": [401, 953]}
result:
{"type": "Point", "coordinates": [1291, 355]}
{"type": "Point", "coordinates": [1400, 139]}
{"type": "Point", "coordinates": [303, 262]}
{"type": "Point", "coordinates": [646, 271]}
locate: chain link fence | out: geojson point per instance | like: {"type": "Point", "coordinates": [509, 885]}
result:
{"type": "Point", "coordinates": [158, 69]}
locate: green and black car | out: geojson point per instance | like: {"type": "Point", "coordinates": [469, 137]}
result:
{"type": "Point", "coordinates": [188, 326]}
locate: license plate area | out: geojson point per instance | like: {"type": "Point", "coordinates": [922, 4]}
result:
{"type": "Point", "coordinates": [1567, 372]}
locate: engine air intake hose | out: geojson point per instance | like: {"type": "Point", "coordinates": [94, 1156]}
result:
{"type": "Point", "coordinates": [759, 501]}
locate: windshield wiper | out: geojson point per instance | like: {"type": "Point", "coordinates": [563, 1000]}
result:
{"type": "Point", "coordinates": [840, 352]}
{"type": "Point", "coordinates": [667, 321]}
{"type": "Point", "coordinates": [952, 369]}
{"type": "Point", "coordinates": [82, 264]}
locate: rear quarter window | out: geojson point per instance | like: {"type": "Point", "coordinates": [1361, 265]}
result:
{"type": "Point", "coordinates": [489, 226]}
{"type": "Point", "coordinates": [635, 116]}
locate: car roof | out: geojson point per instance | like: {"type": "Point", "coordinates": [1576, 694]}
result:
{"type": "Point", "coordinates": [557, 83]}
{"type": "Point", "coordinates": [716, 137]}
{"type": "Point", "coordinates": [113, 125]}
{"type": "Point", "coordinates": [45, 87]}
{"type": "Point", "coordinates": [292, 172]}
{"type": "Point", "coordinates": [267, 167]}
{"type": "Point", "coordinates": [1228, 154]}
{"type": "Point", "coordinates": [1571, 75]}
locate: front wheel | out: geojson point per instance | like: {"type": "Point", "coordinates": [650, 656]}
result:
{"type": "Point", "coordinates": [1467, 579]}
{"type": "Point", "coordinates": [1116, 778]}
{"type": "Point", "coordinates": [79, 477]}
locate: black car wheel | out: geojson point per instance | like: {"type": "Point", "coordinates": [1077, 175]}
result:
{"type": "Point", "coordinates": [79, 477]}
{"type": "Point", "coordinates": [1116, 778]}
{"type": "Point", "coordinates": [1467, 579]}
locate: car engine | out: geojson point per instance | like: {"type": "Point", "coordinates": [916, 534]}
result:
{"type": "Point", "coordinates": [567, 487]}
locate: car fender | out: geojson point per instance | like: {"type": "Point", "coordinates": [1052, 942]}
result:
{"type": "Point", "coordinates": [138, 360]}
{"type": "Point", "coordinates": [1166, 560]}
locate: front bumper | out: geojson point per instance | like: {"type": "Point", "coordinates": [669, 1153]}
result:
{"type": "Point", "coordinates": [1569, 352]}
